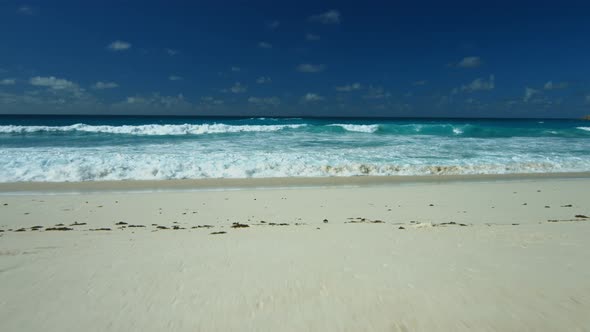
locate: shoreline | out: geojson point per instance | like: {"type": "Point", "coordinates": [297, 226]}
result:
{"type": "Point", "coordinates": [8, 188]}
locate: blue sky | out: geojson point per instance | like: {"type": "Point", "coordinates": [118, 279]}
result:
{"type": "Point", "coordinates": [316, 58]}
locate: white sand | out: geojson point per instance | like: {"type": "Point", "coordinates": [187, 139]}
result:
{"type": "Point", "coordinates": [489, 275]}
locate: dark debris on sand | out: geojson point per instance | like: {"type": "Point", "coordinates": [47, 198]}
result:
{"type": "Point", "coordinates": [59, 229]}
{"type": "Point", "coordinates": [238, 225]}
{"type": "Point", "coordinates": [216, 233]}
{"type": "Point", "coordinates": [359, 220]}
{"type": "Point", "coordinates": [449, 223]}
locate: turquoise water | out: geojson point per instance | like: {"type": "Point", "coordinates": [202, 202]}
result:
{"type": "Point", "coordinates": [70, 148]}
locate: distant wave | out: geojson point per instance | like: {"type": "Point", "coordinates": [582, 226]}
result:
{"type": "Point", "coordinates": [151, 129]}
{"type": "Point", "coordinates": [383, 129]}
{"type": "Point", "coordinates": [357, 128]}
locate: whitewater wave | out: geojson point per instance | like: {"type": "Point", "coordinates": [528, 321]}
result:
{"type": "Point", "coordinates": [357, 128]}
{"type": "Point", "coordinates": [150, 129]}
{"type": "Point", "coordinates": [263, 158]}
{"type": "Point", "coordinates": [583, 128]}
{"type": "Point", "coordinates": [153, 167]}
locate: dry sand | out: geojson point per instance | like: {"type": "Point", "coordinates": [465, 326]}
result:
{"type": "Point", "coordinates": [431, 256]}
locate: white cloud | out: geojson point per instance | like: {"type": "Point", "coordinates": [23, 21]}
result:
{"type": "Point", "coordinates": [235, 69]}
{"type": "Point", "coordinates": [119, 45]}
{"type": "Point", "coordinates": [26, 10]}
{"type": "Point", "coordinates": [266, 101]}
{"type": "Point", "coordinates": [529, 93]}
{"type": "Point", "coordinates": [273, 25]}
{"type": "Point", "coordinates": [312, 37]}
{"type": "Point", "coordinates": [309, 68]}
{"type": "Point", "coordinates": [210, 101]}
{"type": "Point", "coordinates": [376, 93]}
{"type": "Point", "coordinates": [588, 98]}
{"type": "Point", "coordinates": [175, 78]}
{"type": "Point", "coordinates": [264, 45]}
{"type": "Point", "coordinates": [104, 85]}
{"type": "Point", "coordinates": [479, 84]}
{"type": "Point", "coordinates": [238, 88]}
{"type": "Point", "coordinates": [54, 83]}
{"type": "Point", "coordinates": [172, 52]}
{"type": "Point", "coordinates": [329, 17]}
{"type": "Point", "coordinates": [349, 87]}
{"type": "Point", "coordinates": [470, 62]}
{"type": "Point", "coordinates": [156, 101]}
{"type": "Point", "coordinates": [311, 97]}
{"type": "Point", "coordinates": [263, 80]}
{"type": "Point", "coordinates": [554, 86]}
{"type": "Point", "coordinates": [8, 81]}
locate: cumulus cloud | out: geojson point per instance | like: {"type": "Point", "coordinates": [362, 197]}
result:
{"type": "Point", "coordinates": [311, 97]}
{"type": "Point", "coordinates": [210, 101]}
{"type": "Point", "coordinates": [156, 101]}
{"type": "Point", "coordinates": [172, 52]}
{"type": "Point", "coordinates": [263, 80]}
{"type": "Point", "coordinates": [529, 93]}
{"type": "Point", "coordinates": [264, 45]}
{"type": "Point", "coordinates": [376, 93]}
{"type": "Point", "coordinates": [330, 17]}
{"type": "Point", "coordinates": [312, 37]}
{"type": "Point", "coordinates": [8, 81]}
{"type": "Point", "coordinates": [348, 87]}
{"type": "Point", "coordinates": [26, 10]}
{"type": "Point", "coordinates": [479, 84]}
{"type": "Point", "coordinates": [174, 78]}
{"type": "Point", "coordinates": [235, 69]}
{"type": "Point", "coordinates": [265, 101]}
{"type": "Point", "coordinates": [238, 88]}
{"type": "Point", "coordinates": [273, 24]}
{"type": "Point", "coordinates": [309, 68]}
{"type": "Point", "coordinates": [54, 83]}
{"type": "Point", "coordinates": [104, 85]}
{"type": "Point", "coordinates": [470, 62]}
{"type": "Point", "coordinates": [555, 86]}
{"type": "Point", "coordinates": [119, 45]}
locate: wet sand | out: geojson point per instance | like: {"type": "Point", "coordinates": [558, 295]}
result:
{"type": "Point", "coordinates": [501, 253]}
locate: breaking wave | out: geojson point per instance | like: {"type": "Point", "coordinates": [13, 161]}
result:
{"type": "Point", "coordinates": [357, 128]}
{"type": "Point", "coordinates": [150, 129]}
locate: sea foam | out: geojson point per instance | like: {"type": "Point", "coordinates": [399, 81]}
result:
{"type": "Point", "coordinates": [151, 129]}
{"type": "Point", "coordinates": [357, 128]}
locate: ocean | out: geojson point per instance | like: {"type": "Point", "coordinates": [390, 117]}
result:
{"type": "Point", "coordinates": [95, 148]}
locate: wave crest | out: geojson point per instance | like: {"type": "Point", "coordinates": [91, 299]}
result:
{"type": "Point", "coordinates": [150, 129]}
{"type": "Point", "coordinates": [357, 128]}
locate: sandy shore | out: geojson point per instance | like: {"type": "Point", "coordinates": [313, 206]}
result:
{"type": "Point", "coordinates": [483, 255]}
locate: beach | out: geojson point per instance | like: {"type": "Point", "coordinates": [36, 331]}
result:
{"type": "Point", "coordinates": [502, 253]}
